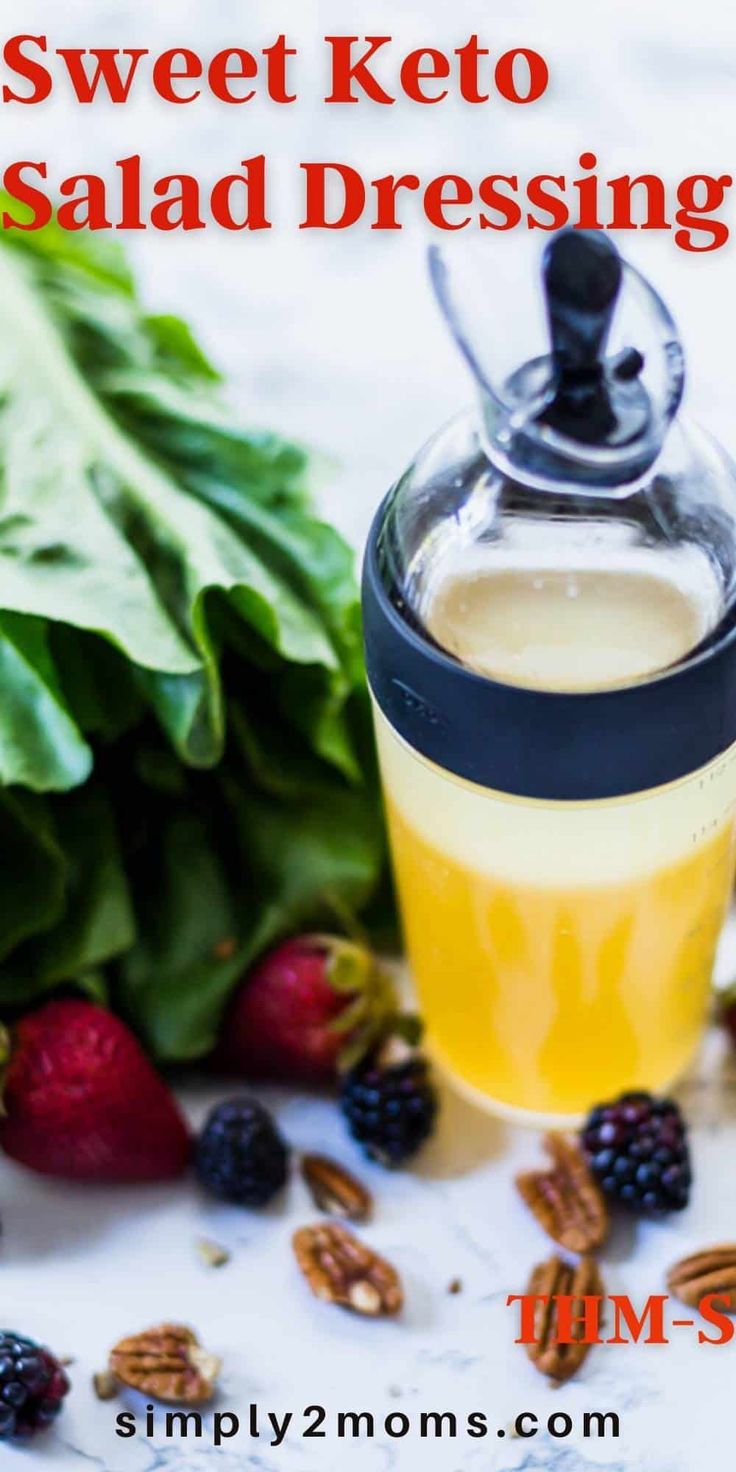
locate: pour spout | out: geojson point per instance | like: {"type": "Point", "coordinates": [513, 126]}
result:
{"type": "Point", "coordinates": [595, 400]}
{"type": "Point", "coordinates": [582, 275]}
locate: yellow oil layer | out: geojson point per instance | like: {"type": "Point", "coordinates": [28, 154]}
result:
{"type": "Point", "coordinates": [548, 999]}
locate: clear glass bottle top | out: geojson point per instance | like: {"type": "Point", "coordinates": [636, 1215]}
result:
{"type": "Point", "coordinates": [577, 533]}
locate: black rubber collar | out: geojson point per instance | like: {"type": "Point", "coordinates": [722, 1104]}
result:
{"type": "Point", "coordinates": [539, 744]}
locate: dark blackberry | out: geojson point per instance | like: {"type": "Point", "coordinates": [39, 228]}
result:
{"type": "Point", "coordinates": [240, 1154]}
{"type": "Point", "coordinates": [637, 1147]}
{"type": "Point", "coordinates": [32, 1386]}
{"type": "Point", "coordinates": [390, 1109]}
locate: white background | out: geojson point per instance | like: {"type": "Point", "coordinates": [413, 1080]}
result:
{"type": "Point", "coordinates": [334, 338]}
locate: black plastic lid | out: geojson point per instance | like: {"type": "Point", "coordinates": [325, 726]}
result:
{"type": "Point", "coordinates": [559, 746]}
{"type": "Point", "coordinates": [596, 401]}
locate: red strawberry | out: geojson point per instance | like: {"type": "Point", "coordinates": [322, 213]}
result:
{"type": "Point", "coordinates": [309, 1006]}
{"type": "Point", "coordinates": [82, 1100]}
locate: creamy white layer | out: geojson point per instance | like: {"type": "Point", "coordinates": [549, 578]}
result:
{"type": "Point", "coordinates": [555, 844]}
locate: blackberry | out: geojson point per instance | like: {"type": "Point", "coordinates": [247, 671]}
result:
{"type": "Point", "coordinates": [32, 1386]}
{"type": "Point", "coordinates": [240, 1155]}
{"type": "Point", "coordinates": [390, 1109]}
{"type": "Point", "coordinates": [637, 1147]}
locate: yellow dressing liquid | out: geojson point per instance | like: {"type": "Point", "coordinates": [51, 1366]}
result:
{"type": "Point", "coordinates": [548, 998]}
{"type": "Point", "coordinates": [563, 951]}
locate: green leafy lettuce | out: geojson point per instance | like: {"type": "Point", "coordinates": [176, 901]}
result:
{"type": "Point", "coordinates": [186, 770]}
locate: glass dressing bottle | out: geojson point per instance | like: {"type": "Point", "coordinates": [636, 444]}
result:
{"type": "Point", "coordinates": [549, 625]}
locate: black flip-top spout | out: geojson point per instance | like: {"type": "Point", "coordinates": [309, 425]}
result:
{"type": "Point", "coordinates": [596, 401]}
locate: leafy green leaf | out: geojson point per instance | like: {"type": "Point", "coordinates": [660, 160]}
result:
{"type": "Point", "coordinates": [177, 348]}
{"type": "Point", "coordinates": [309, 861]}
{"type": "Point", "coordinates": [180, 664]}
{"type": "Point", "coordinates": [174, 980]}
{"type": "Point", "coordinates": [32, 871]}
{"type": "Point", "coordinates": [206, 906]}
{"type": "Point", "coordinates": [97, 920]}
{"type": "Point", "coordinates": [40, 746]}
{"type": "Point", "coordinates": [100, 686]}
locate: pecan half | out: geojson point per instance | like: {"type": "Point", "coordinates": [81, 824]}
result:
{"type": "Point", "coordinates": [167, 1363]}
{"type": "Point", "coordinates": [335, 1190]}
{"type": "Point", "coordinates": [340, 1269]}
{"type": "Point", "coordinates": [549, 1279]}
{"type": "Point", "coordinates": [566, 1199]}
{"type": "Point", "coordinates": [712, 1270]}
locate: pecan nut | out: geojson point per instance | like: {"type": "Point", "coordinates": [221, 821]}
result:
{"type": "Point", "coordinates": [549, 1280]}
{"type": "Point", "coordinates": [712, 1270]}
{"type": "Point", "coordinates": [340, 1269]}
{"type": "Point", "coordinates": [167, 1363]}
{"type": "Point", "coordinates": [335, 1190]}
{"type": "Point", "coordinates": [566, 1199]}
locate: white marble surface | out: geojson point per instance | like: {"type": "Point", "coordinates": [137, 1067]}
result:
{"type": "Point", "coordinates": [334, 338]}
{"type": "Point", "coordinates": [82, 1267]}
